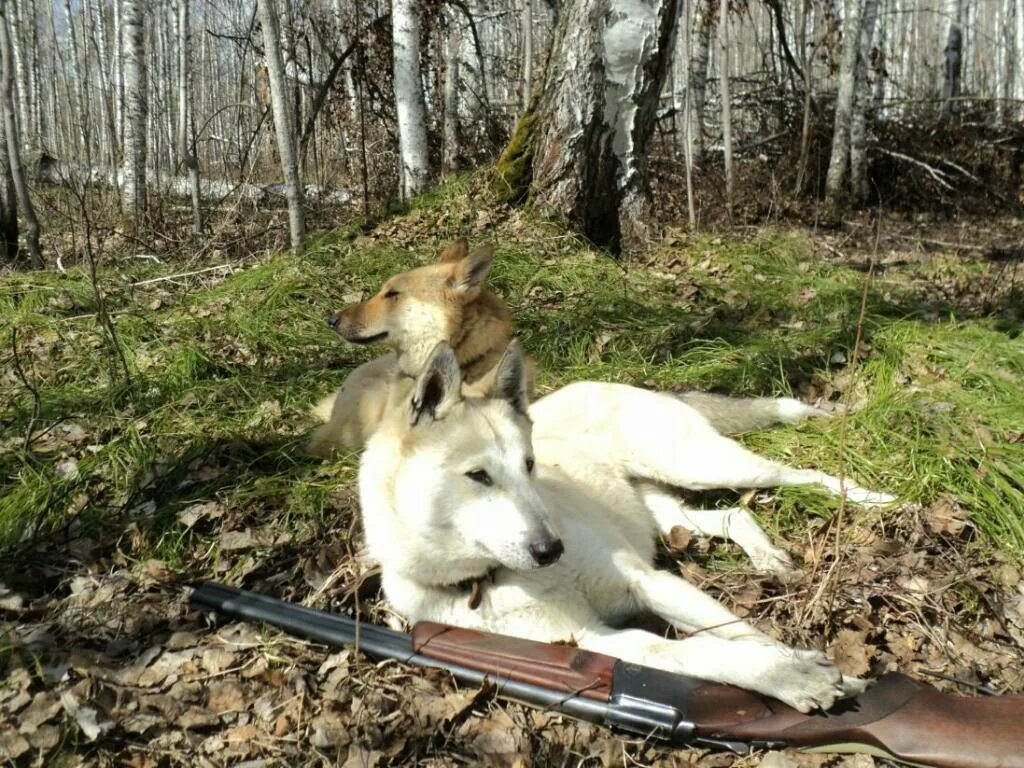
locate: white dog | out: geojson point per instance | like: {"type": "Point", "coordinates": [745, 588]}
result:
{"type": "Point", "coordinates": [476, 524]}
{"type": "Point", "coordinates": [629, 443]}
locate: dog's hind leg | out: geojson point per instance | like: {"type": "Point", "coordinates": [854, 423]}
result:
{"type": "Point", "coordinates": [712, 461]}
{"type": "Point", "coordinates": [733, 524]}
{"type": "Point", "coordinates": [803, 679]}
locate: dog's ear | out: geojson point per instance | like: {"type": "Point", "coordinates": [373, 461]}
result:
{"type": "Point", "coordinates": [471, 273]}
{"type": "Point", "coordinates": [438, 387]}
{"type": "Point", "coordinates": [510, 378]}
{"type": "Point", "coordinates": [454, 251]}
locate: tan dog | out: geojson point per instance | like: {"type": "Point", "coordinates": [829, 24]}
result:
{"type": "Point", "coordinates": [413, 311]}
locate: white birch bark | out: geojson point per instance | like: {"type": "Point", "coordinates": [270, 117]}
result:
{"type": "Point", "coordinates": [76, 77]}
{"type": "Point", "coordinates": [595, 119]}
{"type": "Point", "coordinates": [839, 159]}
{"type": "Point", "coordinates": [699, 74]}
{"type": "Point", "coordinates": [118, 72]}
{"type": "Point", "coordinates": [186, 114]}
{"type": "Point", "coordinates": [862, 102]}
{"type": "Point", "coordinates": [409, 102]}
{"type": "Point", "coordinates": [1018, 59]}
{"type": "Point", "coordinates": [726, 99]}
{"type": "Point", "coordinates": [450, 137]}
{"type": "Point", "coordinates": [688, 122]}
{"type": "Point", "coordinates": [283, 123]}
{"type": "Point", "coordinates": [13, 142]}
{"type": "Point", "coordinates": [106, 90]}
{"type": "Point", "coordinates": [952, 58]}
{"type": "Point", "coordinates": [23, 92]}
{"type": "Point", "coordinates": [526, 30]}
{"type": "Point", "coordinates": [136, 108]}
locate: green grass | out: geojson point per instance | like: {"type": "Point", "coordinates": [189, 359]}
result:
{"type": "Point", "coordinates": [223, 377]}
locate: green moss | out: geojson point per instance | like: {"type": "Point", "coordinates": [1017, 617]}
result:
{"type": "Point", "coordinates": [514, 169]}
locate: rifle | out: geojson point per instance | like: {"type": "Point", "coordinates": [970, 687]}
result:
{"type": "Point", "coordinates": [898, 718]}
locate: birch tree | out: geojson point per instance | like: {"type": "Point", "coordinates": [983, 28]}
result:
{"type": "Point", "coordinates": [862, 101]}
{"type": "Point", "coordinates": [1018, 58]}
{"type": "Point", "coordinates": [186, 113]}
{"type": "Point", "coordinates": [450, 134]}
{"type": "Point", "coordinates": [723, 88]}
{"type": "Point", "coordinates": [526, 31]}
{"type": "Point", "coordinates": [283, 122]}
{"type": "Point", "coordinates": [952, 58]}
{"type": "Point", "coordinates": [15, 168]}
{"type": "Point", "coordinates": [136, 108]}
{"type": "Point", "coordinates": [585, 147]}
{"type": "Point", "coordinates": [697, 82]}
{"type": "Point", "coordinates": [839, 158]}
{"type": "Point", "coordinates": [409, 102]}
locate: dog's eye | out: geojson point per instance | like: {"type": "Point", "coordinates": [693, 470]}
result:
{"type": "Point", "coordinates": [529, 466]}
{"type": "Point", "coordinates": [392, 294]}
{"type": "Point", "coordinates": [480, 476]}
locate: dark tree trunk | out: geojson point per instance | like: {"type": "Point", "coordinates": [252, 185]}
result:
{"type": "Point", "coordinates": [592, 127]}
{"type": "Point", "coordinates": [8, 207]}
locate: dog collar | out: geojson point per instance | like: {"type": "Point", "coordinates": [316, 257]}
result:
{"type": "Point", "coordinates": [474, 587]}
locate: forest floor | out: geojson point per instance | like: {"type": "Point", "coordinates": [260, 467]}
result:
{"type": "Point", "coordinates": [128, 479]}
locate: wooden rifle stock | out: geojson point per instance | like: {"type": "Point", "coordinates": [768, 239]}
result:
{"type": "Point", "coordinates": [897, 718]}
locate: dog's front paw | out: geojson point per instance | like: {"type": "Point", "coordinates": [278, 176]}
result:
{"type": "Point", "coordinates": [807, 680]}
{"type": "Point", "coordinates": [776, 562]}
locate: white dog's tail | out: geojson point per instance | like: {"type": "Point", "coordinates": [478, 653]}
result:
{"type": "Point", "coordinates": [732, 415]}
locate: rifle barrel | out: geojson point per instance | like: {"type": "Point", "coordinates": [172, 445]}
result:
{"type": "Point", "coordinates": [381, 643]}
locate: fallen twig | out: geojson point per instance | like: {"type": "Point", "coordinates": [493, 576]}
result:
{"type": "Point", "coordinates": [181, 274]}
{"type": "Point", "coordinates": [935, 173]}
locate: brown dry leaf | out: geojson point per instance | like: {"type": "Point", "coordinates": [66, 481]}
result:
{"type": "Point", "coordinates": [140, 722]}
{"type": "Point", "coordinates": [45, 739]}
{"type": "Point", "coordinates": [904, 647]}
{"type": "Point", "coordinates": [44, 707]}
{"type": "Point", "coordinates": [329, 729]}
{"type": "Point", "coordinates": [946, 516]}
{"type": "Point", "coordinates": [435, 709]}
{"type": "Point", "coordinates": [678, 538]}
{"type": "Point", "coordinates": [362, 757]}
{"type": "Point", "coordinates": [777, 759]}
{"type": "Point", "coordinates": [197, 717]}
{"type": "Point", "coordinates": [157, 571]}
{"type": "Point", "coordinates": [498, 739]}
{"type": "Point", "coordinates": [226, 696]}
{"type": "Point", "coordinates": [851, 654]}
{"type": "Point", "coordinates": [231, 541]}
{"type": "Point", "coordinates": [209, 510]}
{"type": "Point", "coordinates": [216, 660]}
{"type": "Point", "coordinates": [168, 706]}
{"type": "Point", "coordinates": [12, 744]}
{"type": "Point", "coordinates": [241, 734]}
{"type": "Point", "coordinates": [167, 665]}
{"type": "Point", "coordinates": [91, 722]}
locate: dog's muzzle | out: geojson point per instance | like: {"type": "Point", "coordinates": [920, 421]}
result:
{"type": "Point", "coordinates": [547, 552]}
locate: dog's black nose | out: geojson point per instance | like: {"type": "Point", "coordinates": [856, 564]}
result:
{"type": "Point", "coordinates": [332, 320]}
{"type": "Point", "coordinates": [548, 551]}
